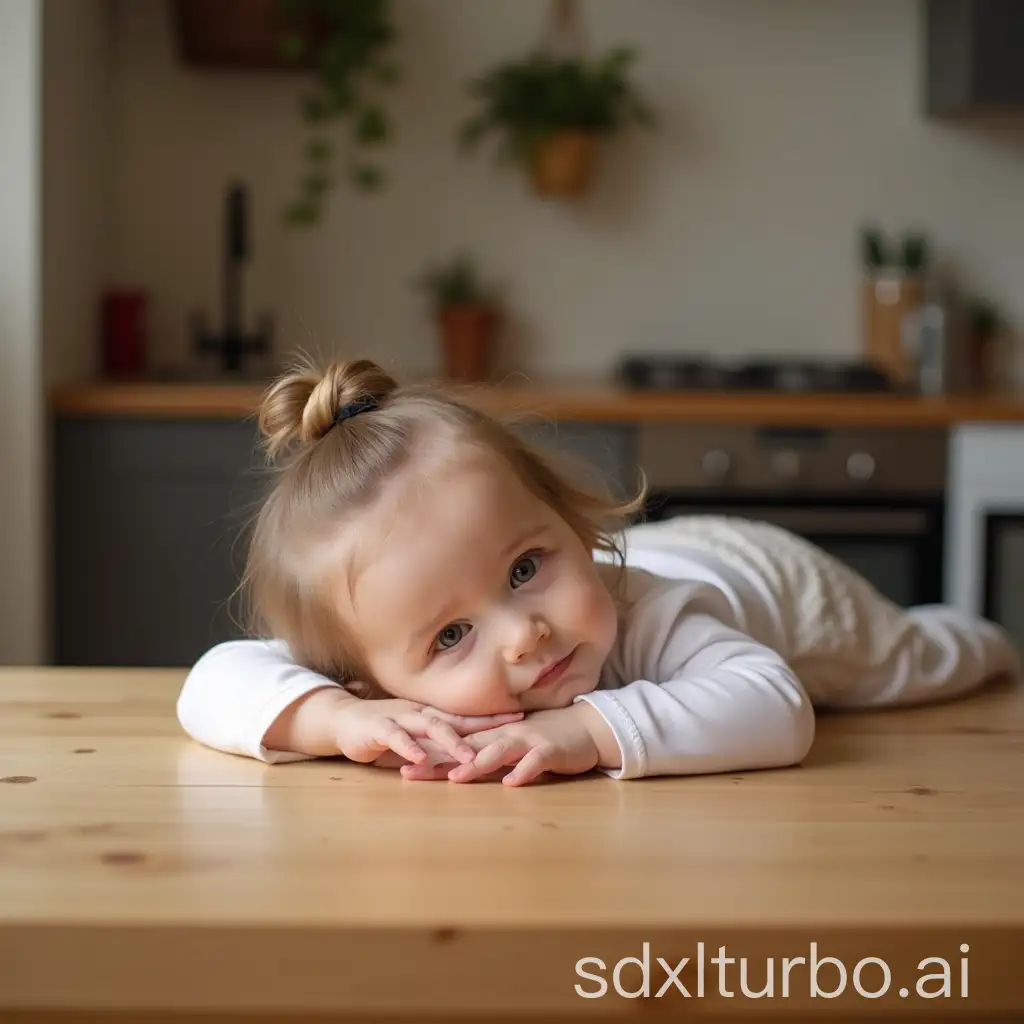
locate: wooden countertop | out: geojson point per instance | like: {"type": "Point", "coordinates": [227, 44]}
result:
{"type": "Point", "coordinates": [138, 869]}
{"type": "Point", "coordinates": [579, 401]}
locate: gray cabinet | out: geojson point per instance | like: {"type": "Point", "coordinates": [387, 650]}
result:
{"type": "Point", "coordinates": [148, 544]}
{"type": "Point", "coordinates": [602, 454]}
{"type": "Point", "coordinates": [149, 530]}
{"type": "Point", "coordinates": [974, 54]}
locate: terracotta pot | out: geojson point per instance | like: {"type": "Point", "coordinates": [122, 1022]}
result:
{"type": "Point", "coordinates": [563, 165]}
{"type": "Point", "coordinates": [469, 336]}
{"type": "Point", "coordinates": [983, 356]}
{"type": "Point", "coordinates": [242, 34]}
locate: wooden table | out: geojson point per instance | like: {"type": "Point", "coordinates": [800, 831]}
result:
{"type": "Point", "coordinates": [139, 870]}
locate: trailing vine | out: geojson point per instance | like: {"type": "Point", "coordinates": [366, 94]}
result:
{"type": "Point", "coordinates": [345, 43]}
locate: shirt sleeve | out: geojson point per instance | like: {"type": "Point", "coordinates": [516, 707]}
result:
{"type": "Point", "coordinates": [235, 692]}
{"type": "Point", "coordinates": [697, 695]}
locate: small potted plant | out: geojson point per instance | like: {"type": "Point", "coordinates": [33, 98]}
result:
{"type": "Point", "coordinates": [553, 111]}
{"type": "Point", "coordinates": [468, 318]}
{"type": "Point", "coordinates": [985, 324]}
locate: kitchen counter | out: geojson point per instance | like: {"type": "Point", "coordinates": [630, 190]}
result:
{"type": "Point", "coordinates": [579, 401]}
{"type": "Point", "coordinates": [138, 869]}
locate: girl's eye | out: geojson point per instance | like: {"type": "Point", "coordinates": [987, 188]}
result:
{"type": "Point", "coordinates": [525, 569]}
{"type": "Point", "coordinates": [450, 635]}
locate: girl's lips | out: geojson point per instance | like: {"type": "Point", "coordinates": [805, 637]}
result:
{"type": "Point", "coordinates": [556, 671]}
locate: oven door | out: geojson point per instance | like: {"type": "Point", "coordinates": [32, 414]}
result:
{"type": "Point", "coordinates": [898, 547]}
{"type": "Point", "coordinates": [1003, 596]}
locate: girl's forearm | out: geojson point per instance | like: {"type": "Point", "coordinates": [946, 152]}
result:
{"type": "Point", "coordinates": [307, 726]}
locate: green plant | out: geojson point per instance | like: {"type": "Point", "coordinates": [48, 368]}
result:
{"type": "Point", "coordinates": [344, 42]}
{"type": "Point", "coordinates": [457, 283]}
{"type": "Point", "coordinates": [910, 254]}
{"type": "Point", "coordinates": [530, 99]}
{"type": "Point", "coordinates": [984, 317]}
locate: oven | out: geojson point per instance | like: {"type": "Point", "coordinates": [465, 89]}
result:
{"type": "Point", "coordinates": [985, 527]}
{"type": "Point", "coordinates": [874, 498]}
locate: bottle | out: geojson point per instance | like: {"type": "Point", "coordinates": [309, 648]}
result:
{"type": "Point", "coordinates": [931, 338]}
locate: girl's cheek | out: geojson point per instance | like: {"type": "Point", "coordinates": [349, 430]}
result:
{"type": "Point", "coordinates": [580, 600]}
{"type": "Point", "coordinates": [478, 694]}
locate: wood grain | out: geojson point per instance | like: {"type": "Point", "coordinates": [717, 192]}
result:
{"type": "Point", "coordinates": [572, 401]}
{"type": "Point", "coordinates": [140, 871]}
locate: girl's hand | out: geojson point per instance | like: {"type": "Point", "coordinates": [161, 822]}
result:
{"type": "Point", "coordinates": [364, 730]}
{"type": "Point", "coordinates": [435, 756]}
{"type": "Point", "coordinates": [564, 741]}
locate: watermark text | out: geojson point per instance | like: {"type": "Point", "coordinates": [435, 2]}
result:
{"type": "Point", "coordinates": [813, 973]}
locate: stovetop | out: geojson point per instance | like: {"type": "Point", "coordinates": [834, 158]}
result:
{"type": "Point", "coordinates": [694, 373]}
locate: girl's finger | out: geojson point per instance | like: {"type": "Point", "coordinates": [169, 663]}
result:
{"type": "Point", "coordinates": [531, 767]}
{"type": "Point", "coordinates": [475, 723]}
{"type": "Point", "coordinates": [393, 737]}
{"type": "Point", "coordinates": [426, 773]}
{"type": "Point", "coordinates": [448, 739]}
{"type": "Point", "coordinates": [494, 756]}
{"type": "Point", "coordinates": [389, 759]}
{"type": "Point", "coordinates": [501, 752]}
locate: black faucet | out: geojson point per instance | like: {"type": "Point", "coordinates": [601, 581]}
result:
{"type": "Point", "coordinates": [232, 345]}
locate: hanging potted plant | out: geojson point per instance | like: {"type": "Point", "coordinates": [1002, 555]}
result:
{"type": "Point", "coordinates": [552, 113]}
{"type": "Point", "coordinates": [343, 44]}
{"type": "Point", "coordinates": [468, 317]}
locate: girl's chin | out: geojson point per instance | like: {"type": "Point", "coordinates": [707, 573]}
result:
{"type": "Point", "coordinates": [552, 703]}
{"type": "Point", "coordinates": [557, 696]}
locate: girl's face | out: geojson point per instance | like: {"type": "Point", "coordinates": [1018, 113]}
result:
{"type": "Point", "coordinates": [475, 597]}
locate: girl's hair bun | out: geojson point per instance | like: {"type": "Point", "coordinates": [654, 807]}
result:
{"type": "Point", "coordinates": [300, 406]}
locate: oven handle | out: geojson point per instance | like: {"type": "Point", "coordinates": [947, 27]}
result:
{"type": "Point", "coordinates": [849, 521]}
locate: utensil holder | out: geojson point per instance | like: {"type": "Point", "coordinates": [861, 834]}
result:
{"type": "Point", "coordinates": [887, 300]}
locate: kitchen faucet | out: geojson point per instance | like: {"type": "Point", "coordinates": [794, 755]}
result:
{"type": "Point", "coordinates": [233, 344]}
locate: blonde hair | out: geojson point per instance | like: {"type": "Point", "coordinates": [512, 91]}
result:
{"type": "Point", "coordinates": [327, 471]}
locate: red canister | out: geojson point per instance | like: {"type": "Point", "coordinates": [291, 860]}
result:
{"type": "Point", "coordinates": [124, 333]}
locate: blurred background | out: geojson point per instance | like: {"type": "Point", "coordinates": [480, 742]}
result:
{"type": "Point", "coordinates": [721, 196]}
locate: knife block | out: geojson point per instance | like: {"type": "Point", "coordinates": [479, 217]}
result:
{"type": "Point", "coordinates": [887, 300]}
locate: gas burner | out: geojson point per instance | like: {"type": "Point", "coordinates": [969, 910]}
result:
{"type": "Point", "coordinates": [686, 373]}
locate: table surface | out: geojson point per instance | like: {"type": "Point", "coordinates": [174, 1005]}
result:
{"type": "Point", "coordinates": [139, 868]}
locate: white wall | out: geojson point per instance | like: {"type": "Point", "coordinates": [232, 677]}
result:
{"type": "Point", "coordinates": [78, 160]}
{"type": "Point", "coordinates": [76, 203]}
{"type": "Point", "coordinates": [784, 125]}
{"type": "Point", "coordinates": [21, 415]}
{"type": "Point", "coordinates": [55, 201]}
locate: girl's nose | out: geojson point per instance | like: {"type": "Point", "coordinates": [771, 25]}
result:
{"type": "Point", "coordinates": [523, 636]}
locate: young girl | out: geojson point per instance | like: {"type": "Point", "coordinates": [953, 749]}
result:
{"type": "Point", "coordinates": [443, 601]}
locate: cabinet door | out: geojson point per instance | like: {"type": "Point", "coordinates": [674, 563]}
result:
{"type": "Point", "coordinates": [150, 531]}
{"type": "Point", "coordinates": [149, 541]}
{"type": "Point", "coordinates": [974, 64]}
{"type": "Point", "coordinates": [1004, 571]}
{"type": "Point", "coordinates": [602, 454]}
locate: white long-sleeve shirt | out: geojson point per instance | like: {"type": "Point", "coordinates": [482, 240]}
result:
{"type": "Point", "coordinates": [703, 673]}
{"type": "Point", "coordinates": [685, 688]}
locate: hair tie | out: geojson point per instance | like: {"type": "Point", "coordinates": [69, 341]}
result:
{"type": "Point", "coordinates": [355, 408]}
